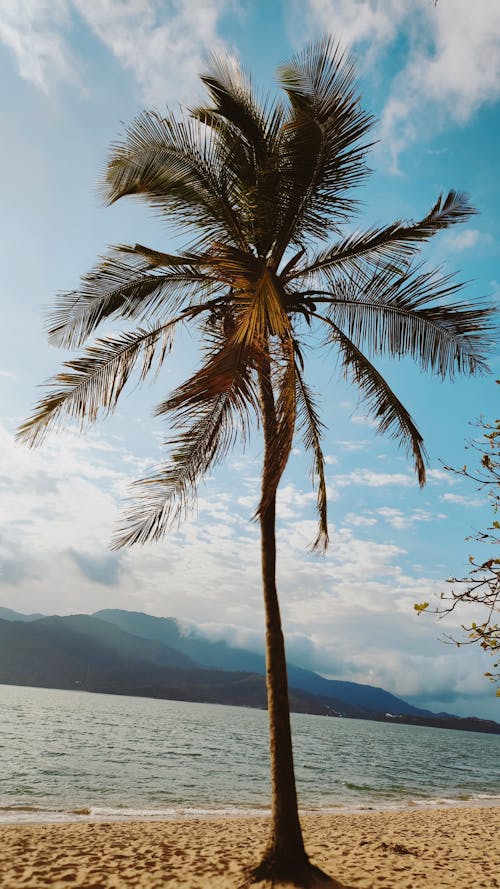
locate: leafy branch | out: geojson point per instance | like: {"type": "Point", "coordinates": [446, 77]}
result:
{"type": "Point", "coordinates": [481, 586]}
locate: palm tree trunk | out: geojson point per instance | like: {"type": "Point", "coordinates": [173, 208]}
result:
{"type": "Point", "coordinates": [285, 846]}
{"type": "Point", "coordinates": [285, 855]}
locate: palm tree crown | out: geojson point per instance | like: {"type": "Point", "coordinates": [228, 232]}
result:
{"type": "Point", "coordinates": [258, 187]}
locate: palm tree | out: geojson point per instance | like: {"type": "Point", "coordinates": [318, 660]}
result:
{"type": "Point", "coordinates": [259, 187]}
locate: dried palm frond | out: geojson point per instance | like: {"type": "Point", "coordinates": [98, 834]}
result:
{"type": "Point", "coordinates": [312, 428]}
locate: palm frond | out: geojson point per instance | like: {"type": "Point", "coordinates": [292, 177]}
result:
{"type": "Point", "coordinates": [177, 167]}
{"type": "Point", "coordinates": [324, 154]}
{"type": "Point", "coordinates": [381, 402]}
{"type": "Point", "coordinates": [228, 371]}
{"type": "Point", "coordinates": [161, 499]}
{"type": "Point", "coordinates": [256, 294]}
{"type": "Point", "coordinates": [158, 258]}
{"type": "Point", "coordinates": [411, 314]}
{"type": "Point", "coordinates": [95, 380]}
{"type": "Point", "coordinates": [259, 311]}
{"type": "Point", "coordinates": [232, 94]}
{"type": "Point", "coordinates": [312, 429]}
{"type": "Point", "coordinates": [394, 242]}
{"type": "Point", "coordinates": [212, 409]}
{"type": "Point", "coordinates": [127, 283]}
{"type": "Point", "coordinates": [321, 79]}
{"type": "Point", "coordinates": [249, 135]}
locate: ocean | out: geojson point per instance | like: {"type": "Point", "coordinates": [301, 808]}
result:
{"type": "Point", "coordinates": [68, 755]}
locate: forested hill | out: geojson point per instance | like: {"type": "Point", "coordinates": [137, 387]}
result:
{"type": "Point", "coordinates": [123, 652]}
{"type": "Point", "coordinates": [222, 656]}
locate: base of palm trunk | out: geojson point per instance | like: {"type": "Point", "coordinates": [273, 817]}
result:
{"type": "Point", "coordinates": [292, 870]}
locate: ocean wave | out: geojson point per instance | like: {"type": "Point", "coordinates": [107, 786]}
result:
{"type": "Point", "coordinates": [22, 813]}
{"type": "Point", "coordinates": [18, 813]}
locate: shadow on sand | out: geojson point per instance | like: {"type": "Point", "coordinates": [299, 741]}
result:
{"type": "Point", "coordinates": [313, 878]}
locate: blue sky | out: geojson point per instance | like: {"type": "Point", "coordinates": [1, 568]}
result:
{"type": "Point", "coordinates": [72, 73]}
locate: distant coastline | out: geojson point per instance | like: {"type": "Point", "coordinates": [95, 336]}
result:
{"type": "Point", "coordinates": [134, 654]}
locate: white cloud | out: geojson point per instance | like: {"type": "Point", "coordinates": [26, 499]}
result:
{"type": "Point", "coordinates": [60, 505]}
{"type": "Point", "coordinates": [453, 68]}
{"type": "Point", "coordinates": [402, 521]}
{"type": "Point", "coordinates": [359, 521]}
{"type": "Point", "coordinates": [162, 44]}
{"type": "Point", "coordinates": [391, 648]}
{"type": "Point", "coordinates": [352, 445]}
{"type": "Point", "coordinates": [351, 21]}
{"type": "Point", "coordinates": [451, 62]}
{"type": "Point", "coordinates": [331, 460]}
{"type": "Point", "coordinates": [372, 479]}
{"type": "Point", "coordinates": [460, 500]}
{"type": "Point", "coordinates": [291, 502]}
{"type": "Point", "coordinates": [364, 420]}
{"type": "Point", "coordinates": [35, 31]}
{"type": "Point", "coordinates": [463, 240]}
{"type": "Point", "coordinates": [441, 675]}
{"type": "Point", "coordinates": [441, 475]}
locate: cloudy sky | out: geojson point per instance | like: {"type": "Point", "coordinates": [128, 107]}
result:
{"type": "Point", "coordinates": [72, 73]}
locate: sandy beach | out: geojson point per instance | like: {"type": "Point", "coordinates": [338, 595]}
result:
{"type": "Point", "coordinates": [455, 847]}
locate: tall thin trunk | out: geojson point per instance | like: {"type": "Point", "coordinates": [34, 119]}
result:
{"type": "Point", "coordinates": [285, 852]}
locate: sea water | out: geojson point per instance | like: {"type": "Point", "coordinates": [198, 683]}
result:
{"type": "Point", "coordinates": [68, 755]}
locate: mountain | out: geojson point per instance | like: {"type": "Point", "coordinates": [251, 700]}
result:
{"type": "Point", "coordinates": [8, 614]}
{"type": "Point", "coordinates": [82, 652]}
{"type": "Point", "coordinates": [167, 630]}
{"type": "Point", "coordinates": [131, 653]}
{"type": "Point", "coordinates": [64, 649]}
{"type": "Point", "coordinates": [223, 657]}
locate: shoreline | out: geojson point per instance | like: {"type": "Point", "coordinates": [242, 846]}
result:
{"type": "Point", "coordinates": [455, 847]}
{"type": "Point", "coordinates": [96, 814]}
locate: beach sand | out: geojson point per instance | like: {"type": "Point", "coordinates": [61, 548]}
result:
{"type": "Point", "coordinates": [455, 847]}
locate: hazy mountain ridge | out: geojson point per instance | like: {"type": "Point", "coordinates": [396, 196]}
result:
{"type": "Point", "coordinates": [132, 653]}
{"type": "Point", "coordinates": [71, 653]}
{"type": "Point", "coordinates": [224, 657]}
{"type": "Point", "coordinates": [9, 614]}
